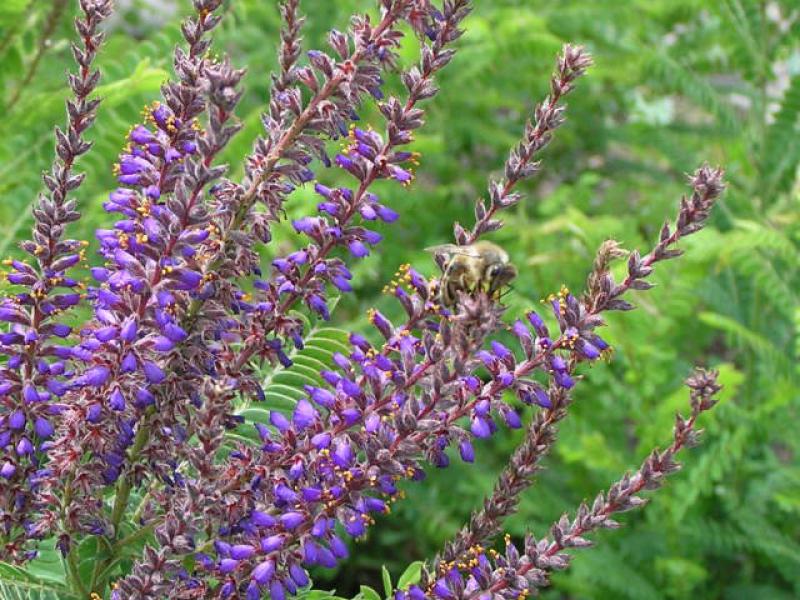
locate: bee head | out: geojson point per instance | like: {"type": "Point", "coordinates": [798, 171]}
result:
{"type": "Point", "coordinates": [500, 274]}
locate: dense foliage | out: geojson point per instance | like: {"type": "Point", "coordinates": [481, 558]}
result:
{"type": "Point", "coordinates": [676, 82]}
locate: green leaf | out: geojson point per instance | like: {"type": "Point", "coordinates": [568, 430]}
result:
{"type": "Point", "coordinates": [367, 593]}
{"type": "Point", "coordinates": [318, 595]}
{"type": "Point", "coordinates": [411, 575]}
{"type": "Point", "coordinates": [387, 581]}
{"type": "Point", "coordinates": [17, 584]}
{"type": "Point", "coordinates": [11, 9]}
{"type": "Point", "coordinates": [48, 565]}
{"type": "Point", "coordinates": [285, 386]}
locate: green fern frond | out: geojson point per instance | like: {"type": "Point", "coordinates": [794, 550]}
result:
{"type": "Point", "coordinates": [747, 337]}
{"type": "Point", "coordinates": [678, 77]}
{"type": "Point", "coordinates": [781, 152]}
{"type": "Point", "coordinates": [607, 569]}
{"type": "Point", "coordinates": [284, 387]}
{"type": "Point", "coordinates": [17, 584]}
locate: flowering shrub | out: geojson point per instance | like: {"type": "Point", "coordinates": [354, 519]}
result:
{"type": "Point", "coordinates": [133, 442]}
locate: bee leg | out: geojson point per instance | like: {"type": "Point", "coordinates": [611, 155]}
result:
{"type": "Point", "coordinates": [506, 292]}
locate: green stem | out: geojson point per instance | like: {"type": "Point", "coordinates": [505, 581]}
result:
{"type": "Point", "coordinates": [134, 537]}
{"type": "Point", "coordinates": [121, 499]}
{"type": "Point", "coordinates": [124, 486]}
{"type": "Point", "coordinates": [98, 563]}
{"type": "Point", "coordinates": [137, 513]}
{"type": "Point", "coordinates": [74, 574]}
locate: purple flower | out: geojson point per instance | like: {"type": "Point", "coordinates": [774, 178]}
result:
{"type": "Point", "coordinates": [30, 394]}
{"type": "Point", "coordinates": [321, 396]}
{"type": "Point", "coordinates": [280, 422]}
{"type": "Point", "coordinates": [117, 401]}
{"type": "Point", "coordinates": [322, 190]}
{"type": "Point", "coordinates": [368, 212]}
{"type": "Point", "coordinates": [127, 332]}
{"type": "Point", "coordinates": [242, 551]}
{"type": "Point", "coordinates": [304, 414]}
{"type": "Point", "coordinates": [8, 469]}
{"type": "Point", "coordinates": [152, 372]}
{"type": "Point", "coordinates": [343, 454]}
{"type": "Point", "coordinates": [24, 447]}
{"type": "Point", "coordinates": [276, 590]}
{"type": "Point", "coordinates": [144, 398]}
{"type": "Point", "coordinates": [94, 377]}
{"type": "Point", "coordinates": [372, 237]}
{"type": "Point", "coordinates": [358, 249]}
{"type": "Point", "coordinates": [307, 225]}
{"type": "Point", "coordinates": [480, 427]}
{"type": "Point", "coordinates": [299, 575]}
{"type": "Point", "coordinates": [386, 214]}
{"type": "Point", "coordinates": [263, 572]}
{"type": "Point", "coordinates": [564, 380]}
{"type": "Point", "coordinates": [589, 350]}
{"type": "Point", "coordinates": [341, 283]}
{"type": "Point", "coordinates": [43, 428]}
{"type": "Point", "coordinates": [500, 350]}
{"type": "Point", "coordinates": [128, 364]}
{"type": "Point", "coordinates": [441, 590]}
{"type": "Point", "coordinates": [105, 334]}
{"type": "Point", "coordinates": [291, 520]}
{"type": "Point", "coordinates": [228, 565]}
{"type": "Point", "coordinates": [141, 135]}
{"type": "Point", "coordinates": [262, 519]}
{"type": "Point", "coordinates": [319, 306]}
{"type": "Point", "coordinates": [272, 543]}
{"type": "Point", "coordinates": [467, 451]}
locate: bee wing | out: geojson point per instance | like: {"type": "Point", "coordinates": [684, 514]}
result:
{"type": "Point", "coordinates": [442, 249]}
{"type": "Point", "coordinates": [449, 250]}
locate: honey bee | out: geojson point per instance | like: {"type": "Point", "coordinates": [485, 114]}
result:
{"type": "Point", "coordinates": [482, 266]}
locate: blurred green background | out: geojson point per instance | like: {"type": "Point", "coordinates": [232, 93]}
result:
{"type": "Point", "coordinates": [676, 83]}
